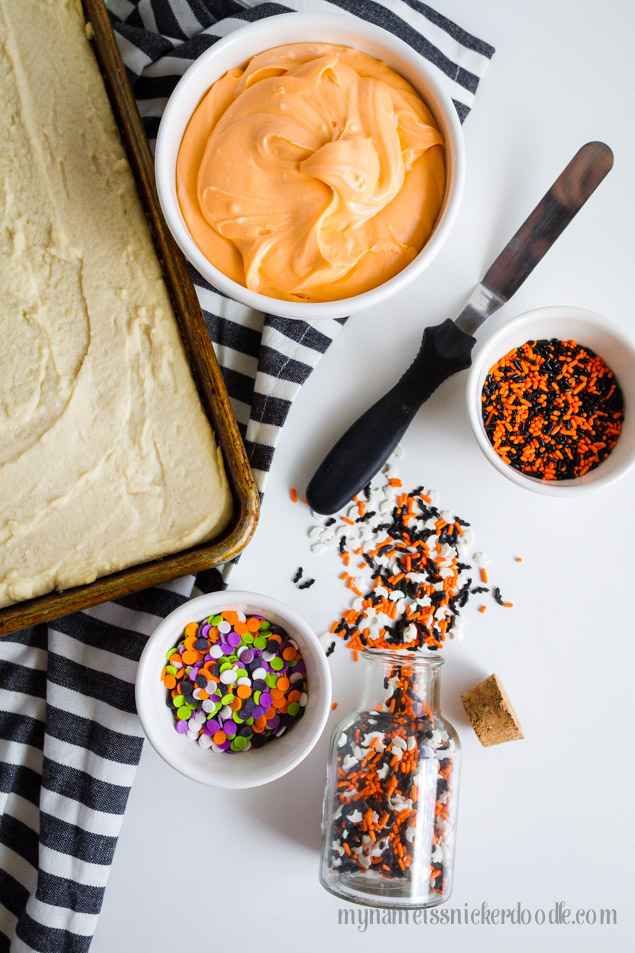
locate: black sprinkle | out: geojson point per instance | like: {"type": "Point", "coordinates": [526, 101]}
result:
{"type": "Point", "coordinates": [497, 596]}
{"type": "Point", "coordinates": [306, 584]}
{"type": "Point", "coordinates": [330, 649]}
{"type": "Point", "coordinates": [479, 589]}
{"type": "Point", "coordinates": [298, 575]}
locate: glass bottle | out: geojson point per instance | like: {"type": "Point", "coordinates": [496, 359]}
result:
{"type": "Point", "coordinates": [391, 794]}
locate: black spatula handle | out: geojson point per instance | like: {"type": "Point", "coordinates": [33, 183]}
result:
{"type": "Point", "coordinates": [367, 444]}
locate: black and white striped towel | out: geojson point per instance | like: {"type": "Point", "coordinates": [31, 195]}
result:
{"type": "Point", "coordinates": [70, 740]}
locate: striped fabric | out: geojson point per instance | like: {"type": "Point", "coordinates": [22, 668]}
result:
{"type": "Point", "coordinates": [70, 740]}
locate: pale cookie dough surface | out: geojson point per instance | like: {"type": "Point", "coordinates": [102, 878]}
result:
{"type": "Point", "coordinates": [106, 456]}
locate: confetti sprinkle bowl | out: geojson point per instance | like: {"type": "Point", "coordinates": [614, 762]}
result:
{"type": "Point", "coordinates": [589, 330]}
{"type": "Point", "coordinates": [235, 50]}
{"type": "Point", "coordinates": [244, 769]}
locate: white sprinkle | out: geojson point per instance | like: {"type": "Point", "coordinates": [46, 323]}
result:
{"type": "Point", "coordinates": [216, 651]}
{"type": "Point", "coordinates": [315, 532]}
{"type": "Point", "coordinates": [228, 676]}
{"type": "Point", "coordinates": [379, 743]}
{"type": "Point", "coordinates": [259, 673]}
{"type": "Point", "coordinates": [205, 741]}
{"type": "Point", "coordinates": [480, 558]}
{"type": "Point", "coordinates": [317, 548]}
{"type": "Point", "coordinates": [224, 627]}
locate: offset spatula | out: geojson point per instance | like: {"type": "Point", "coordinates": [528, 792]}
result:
{"type": "Point", "coordinates": [447, 347]}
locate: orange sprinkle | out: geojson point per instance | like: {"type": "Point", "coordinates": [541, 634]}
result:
{"type": "Point", "coordinates": [294, 495]}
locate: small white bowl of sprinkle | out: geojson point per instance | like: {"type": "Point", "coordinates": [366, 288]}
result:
{"type": "Point", "coordinates": [551, 400]}
{"type": "Point", "coordinates": [233, 689]}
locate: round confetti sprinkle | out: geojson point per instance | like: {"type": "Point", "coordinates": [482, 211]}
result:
{"type": "Point", "coordinates": [234, 682]}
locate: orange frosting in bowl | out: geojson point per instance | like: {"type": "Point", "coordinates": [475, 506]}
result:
{"type": "Point", "coordinates": [313, 174]}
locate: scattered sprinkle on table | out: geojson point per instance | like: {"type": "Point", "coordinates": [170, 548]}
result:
{"type": "Point", "coordinates": [235, 682]}
{"type": "Point", "coordinates": [552, 409]}
{"type": "Point", "coordinates": [416, 574]}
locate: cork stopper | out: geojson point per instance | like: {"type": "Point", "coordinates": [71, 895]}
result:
{"type": "Point", "coordinates": [490, 712]}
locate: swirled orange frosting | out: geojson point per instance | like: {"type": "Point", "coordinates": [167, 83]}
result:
{"type": "Point", "coordinates": [314, 173]}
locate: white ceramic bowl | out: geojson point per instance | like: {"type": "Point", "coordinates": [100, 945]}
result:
{"type": "Point", "coordinates": [258, 765]}
{"type": "Point", "coordinates": [235, 50]}
{"type": "Point", "coordinates": [588, 329]}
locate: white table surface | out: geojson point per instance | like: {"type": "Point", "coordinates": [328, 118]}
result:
{"type": "Point", "coordinates": [543, 820]}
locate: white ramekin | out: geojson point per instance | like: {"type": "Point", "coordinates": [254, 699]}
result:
{"type": "Point", "coordinates": [249, 768]}
{"type": "Point", "coordinates": [235, 50]}
{"type": "Point", "coordinates": [592, 331]}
